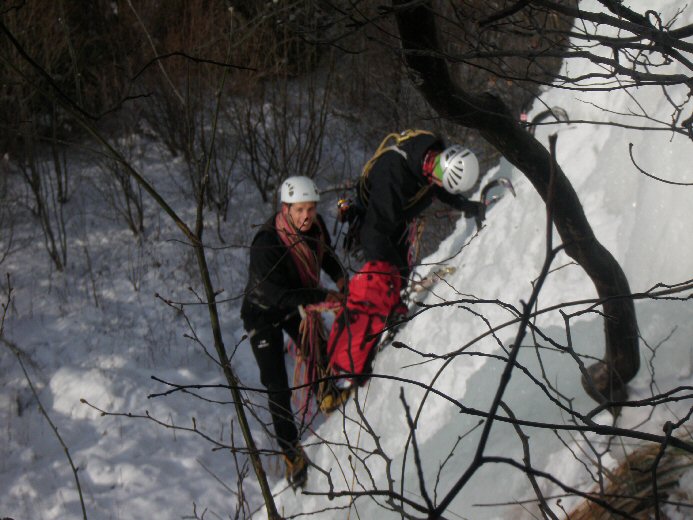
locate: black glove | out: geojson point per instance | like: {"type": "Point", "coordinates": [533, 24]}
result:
{"type": "Point", "coordinates": [474, 209]}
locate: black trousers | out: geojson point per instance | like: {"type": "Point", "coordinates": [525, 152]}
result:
{"type": "Point", "coordinates": [268, 347]}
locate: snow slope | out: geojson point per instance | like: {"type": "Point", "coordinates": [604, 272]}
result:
{"type": "Point", "coordinates": [106, 354]}
{"type": "Point", "coordinates": [643, 222]}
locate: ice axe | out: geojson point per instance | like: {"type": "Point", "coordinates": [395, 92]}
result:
{"type": "Point", "coordinates": [487, 201]}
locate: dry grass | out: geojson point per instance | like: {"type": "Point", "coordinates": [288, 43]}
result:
{"type": "Point", "coordinates": [630, 486]}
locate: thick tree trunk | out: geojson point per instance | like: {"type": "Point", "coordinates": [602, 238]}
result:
{"type": "Point", "coordinates": [494, 121]}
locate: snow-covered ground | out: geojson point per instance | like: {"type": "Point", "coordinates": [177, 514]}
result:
{"type": "Point", "coordinates": [97, 332]}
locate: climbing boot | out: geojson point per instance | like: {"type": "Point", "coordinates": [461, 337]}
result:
{"type": "Point", "coordinates": [333, 399]}
{"type": "Point", "coordinates": [296, 468]}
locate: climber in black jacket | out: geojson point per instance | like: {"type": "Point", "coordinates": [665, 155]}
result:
{"type": "Point", "coordinates": [401, 183]}
{"type": "Point", "coordinates": [396, 186]}
{"type": "Point", "coordinates": [286, 257]}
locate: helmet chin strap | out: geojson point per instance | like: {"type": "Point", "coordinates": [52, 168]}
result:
{"type": "Point", "coordinates": [286, 207]}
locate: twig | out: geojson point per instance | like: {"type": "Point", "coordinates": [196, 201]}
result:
{"type": "Point", "coordinates": [417, 455]}
{"type": "Point", "coordinates": [16, 351]}
{"type": "Point", "coordinates": [543, 506]}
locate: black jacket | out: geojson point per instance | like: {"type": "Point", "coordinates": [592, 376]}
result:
{"type": "Point", "coordinates": [274, 284]}
{"type": "Point", "coordinates": [394, 181]}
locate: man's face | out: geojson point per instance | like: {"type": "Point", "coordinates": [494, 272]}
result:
{"type": "Point", "coordinates": [302, 214]}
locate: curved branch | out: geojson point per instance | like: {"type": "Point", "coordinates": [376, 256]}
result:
{"type": "Point", "coordinates": [490, 116]}
{"type": "Point", "coordinates": [161, 57]}
{"type": "Point", "coordinates": [630, 151]}
{"type": "Point", "coordinates": [17, 352]}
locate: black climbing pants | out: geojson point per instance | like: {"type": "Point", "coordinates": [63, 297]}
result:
{"type": "Point", "coordinates": [267, 342]}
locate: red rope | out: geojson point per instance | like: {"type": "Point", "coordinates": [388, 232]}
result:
{"type": "Point", "coordinates": [414, 240]}
{"type": "Point", "coordinates": [311, 356]}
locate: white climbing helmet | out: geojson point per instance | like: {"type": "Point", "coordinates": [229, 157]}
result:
{"type": "Point", "coordinates": [458, 168]}
{"type": "Point", "coordinates": [299, 189]}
